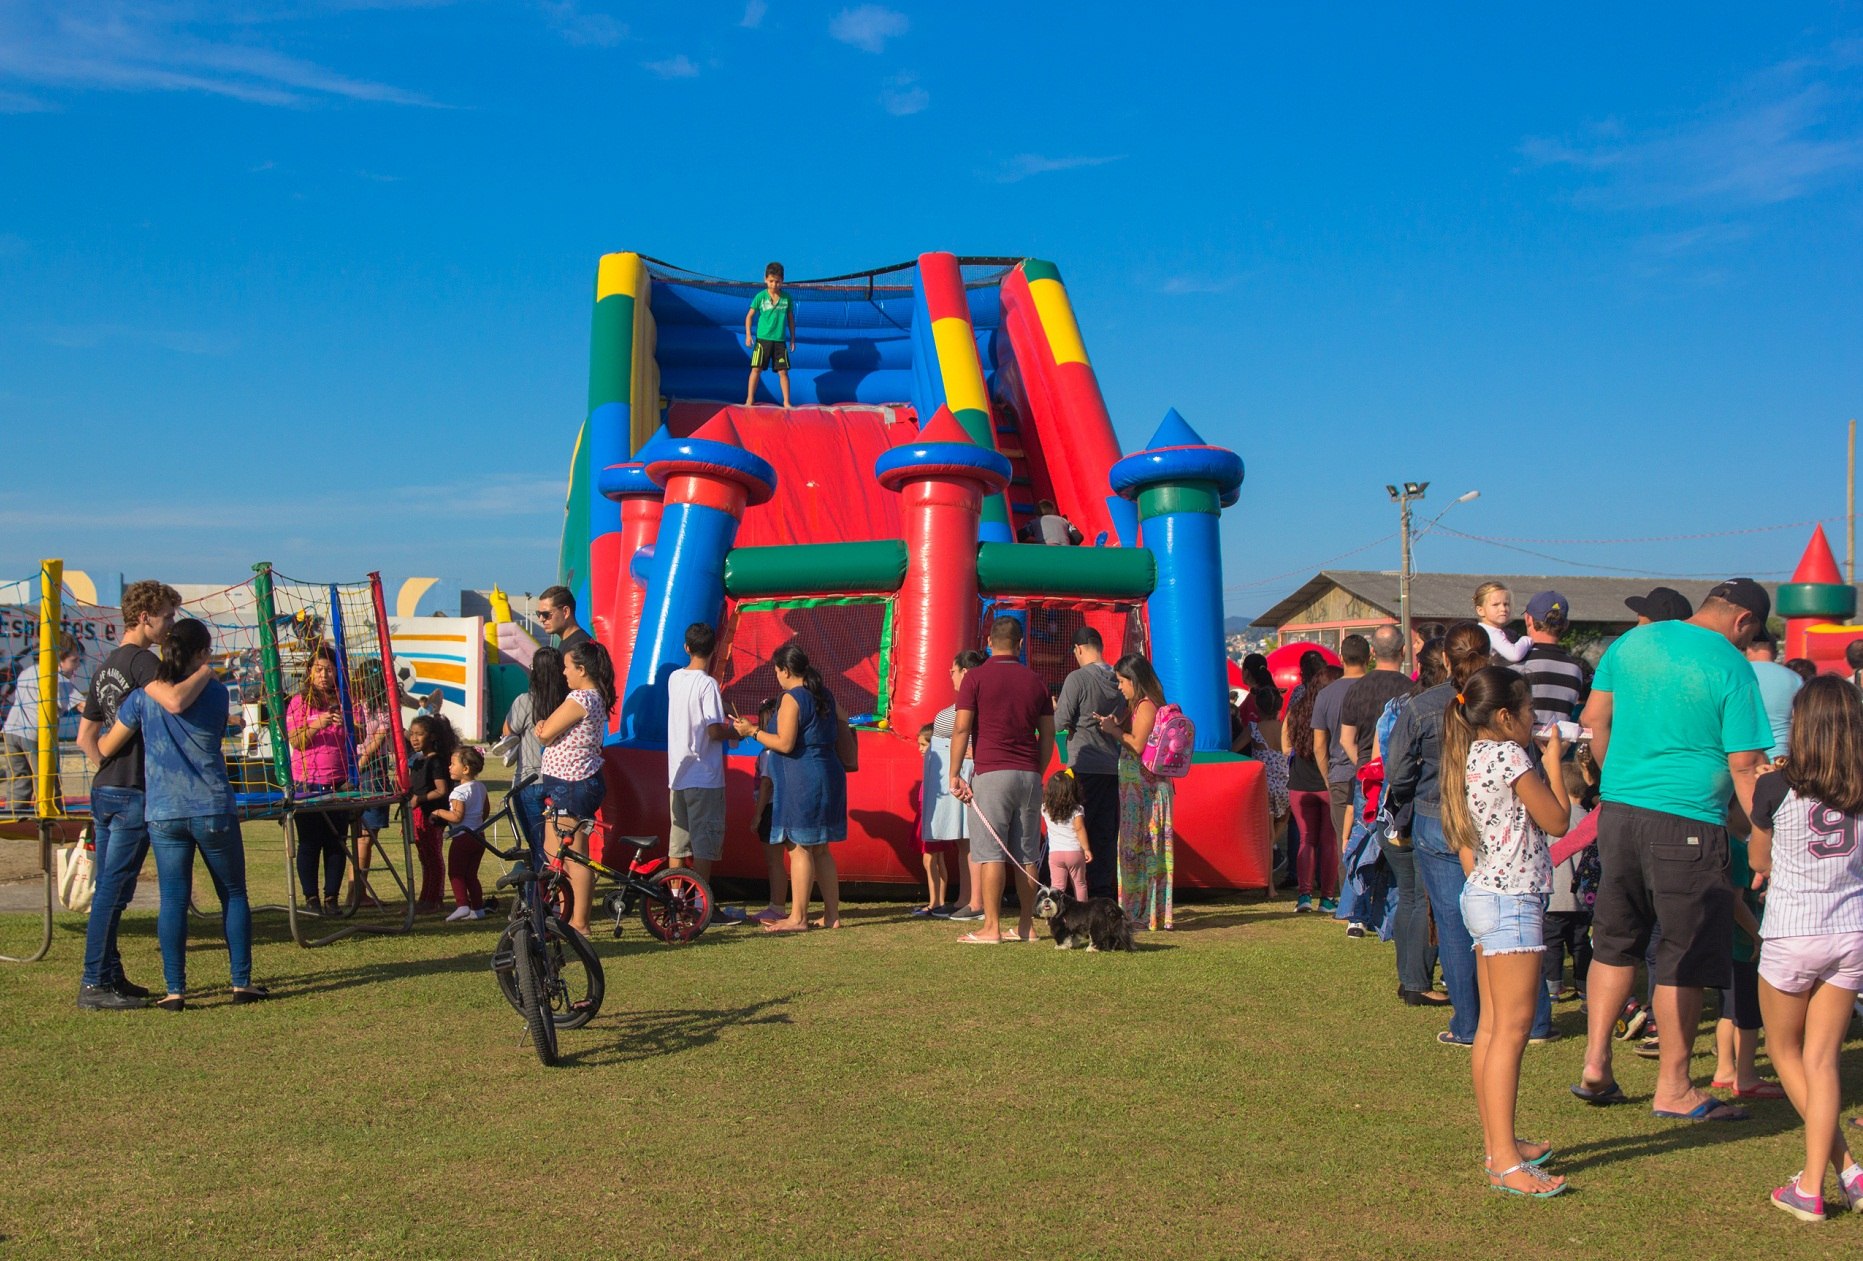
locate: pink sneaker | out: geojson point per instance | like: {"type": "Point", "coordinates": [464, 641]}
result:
{"type": "Point", "coordinates": [1852, 1182]}
{"type": "Point", "coordinates": [1789, 1199]}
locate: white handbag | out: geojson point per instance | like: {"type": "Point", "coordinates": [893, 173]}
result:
{"type": "Point", "coordinates": [77, 873]}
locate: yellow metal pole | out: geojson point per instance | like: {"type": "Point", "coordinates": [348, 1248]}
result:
{"type": "Point", "coordinates": [51, 592]}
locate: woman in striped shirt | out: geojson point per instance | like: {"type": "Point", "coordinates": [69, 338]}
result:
{"type": "Point", "coordinates": [1807, 825]}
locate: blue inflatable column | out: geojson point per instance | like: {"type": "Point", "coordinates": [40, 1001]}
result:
{"type": "Point", "coordinates": [1181, 485]}
{"type": "Point", "coordinates": [709, 480]}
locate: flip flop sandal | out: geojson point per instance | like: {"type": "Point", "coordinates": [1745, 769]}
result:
{"type": "Point", "coordinates": [1600, 1096]}
{"type": "Point", "coordinates": [1707, 1110]}
{"type": "Point", "coordinates": [972, 939]}
{"type": "Point", "coordinates": [1548, 1189]}
{"type": "Point", "coordinates": [1538, 1160]}
{"type": "Point", "coordinates": [1765, 1090]}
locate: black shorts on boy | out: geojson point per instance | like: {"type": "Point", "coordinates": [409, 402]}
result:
{"type": "Point", "coordinates": [773, 355]}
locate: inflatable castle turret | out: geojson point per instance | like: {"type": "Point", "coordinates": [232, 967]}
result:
{"type": "Point", "coordinates": [942, 480]}
{"type": "Point", "coordinates": [709, 479]}
{"type": "Point", "coordinates": [1181, 485]}
{"type": "Point", "coordinates": [1817, 605]}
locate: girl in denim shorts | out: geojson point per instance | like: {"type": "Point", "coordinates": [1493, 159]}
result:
{"type": "Point", "coordinates": [1498, 810]}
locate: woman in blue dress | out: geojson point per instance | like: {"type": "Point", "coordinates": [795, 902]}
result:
{"type": "Point", "coordinates": [814, 749]}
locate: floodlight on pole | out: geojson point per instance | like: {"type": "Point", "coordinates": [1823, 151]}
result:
{"type": "Point", "coordinates": [1413, 491]}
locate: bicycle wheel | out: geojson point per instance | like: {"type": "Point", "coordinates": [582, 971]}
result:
{"type": "Point", "coordinates": [530, 968]}
{"type": "Point", "coordinates": [580, 985]}
{"type": "Point", "coordinates": [686, 910]}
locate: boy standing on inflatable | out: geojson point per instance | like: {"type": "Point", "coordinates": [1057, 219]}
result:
{"type": "Point", "coordinates": [775, 334]}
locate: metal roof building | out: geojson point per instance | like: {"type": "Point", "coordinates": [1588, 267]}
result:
{"type": "Point", "coordinates": [1338, 602]}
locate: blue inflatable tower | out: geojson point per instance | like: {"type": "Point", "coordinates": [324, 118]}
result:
{"type": "Point", "coordinates": [1181, 485]}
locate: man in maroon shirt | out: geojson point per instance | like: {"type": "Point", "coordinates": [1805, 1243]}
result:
{"type": "Point", "coordinates": [1005, 724]}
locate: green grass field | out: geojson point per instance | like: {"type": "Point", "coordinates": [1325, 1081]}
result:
{"type": "Point", "coordinates": [1246, 1086]}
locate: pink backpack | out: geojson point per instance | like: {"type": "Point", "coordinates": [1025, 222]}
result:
{"type": "Point", "coordinates": [1168, 748]}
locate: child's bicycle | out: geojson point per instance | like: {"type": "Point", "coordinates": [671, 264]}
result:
{"type": "Point", "coordinates": [675, 903]}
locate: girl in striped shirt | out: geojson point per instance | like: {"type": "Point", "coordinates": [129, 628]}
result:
{"type": "Point", "coordinates": [1807, 824]}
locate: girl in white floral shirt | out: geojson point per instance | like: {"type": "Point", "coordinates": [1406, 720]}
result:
{"type": "Point", "coordinates": [1498, 810]}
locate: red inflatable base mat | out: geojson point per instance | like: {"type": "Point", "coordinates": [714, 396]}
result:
{"type": "Point", "coordinates": [1223, 838]}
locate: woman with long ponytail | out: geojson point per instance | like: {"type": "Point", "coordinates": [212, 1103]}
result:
{"type": "Point", "coordinates": [189, 808]}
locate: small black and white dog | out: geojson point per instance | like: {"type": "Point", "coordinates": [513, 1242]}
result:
{"type": "Point", "coordinates": [1097, 924]}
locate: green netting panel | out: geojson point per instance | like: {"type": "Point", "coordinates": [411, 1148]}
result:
{"type": "Point", "coordinates": [847, 638]}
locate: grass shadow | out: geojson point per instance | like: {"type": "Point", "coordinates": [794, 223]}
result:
{"type": "Point", "coordinates": [647, 1035]}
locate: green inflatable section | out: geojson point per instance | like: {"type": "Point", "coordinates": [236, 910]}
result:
{"type": "Point", "coordinates": [816, 568]}
{"type": "Point", "coordinates": [1033, 569]}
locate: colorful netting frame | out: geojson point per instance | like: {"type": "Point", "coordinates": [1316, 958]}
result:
{"type": "Point", "coordinates": [267, 632]}
{"type": "Point", "coordinates": [848, 638]}
{"type": "Point", "coordinates": [43, 774]}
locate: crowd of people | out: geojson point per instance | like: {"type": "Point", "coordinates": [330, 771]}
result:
{"type": "Point", "coordinates": [1691, 808]}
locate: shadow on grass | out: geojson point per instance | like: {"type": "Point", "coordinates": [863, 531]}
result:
{"type": "Point", "coordinates": [1262, 915]}
{"type": "Point", "coordinates": [647, 1035]}
{"type": "Point", "coordinates": [1672, 1136]}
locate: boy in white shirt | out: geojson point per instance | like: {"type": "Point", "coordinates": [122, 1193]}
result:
{"type": "Point", "coordinates": [696, 731]}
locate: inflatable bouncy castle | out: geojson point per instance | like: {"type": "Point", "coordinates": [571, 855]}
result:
{"type": "Point", "coordinates": [1817, 605]}
{"type": "Point", "coordinates": [935, 406]}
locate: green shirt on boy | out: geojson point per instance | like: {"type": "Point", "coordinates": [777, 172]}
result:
{"type": "Point", "coordinates": [772, 316]}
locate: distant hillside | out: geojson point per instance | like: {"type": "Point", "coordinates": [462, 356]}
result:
{"type": "Point", "coordinates": [1235, 625]}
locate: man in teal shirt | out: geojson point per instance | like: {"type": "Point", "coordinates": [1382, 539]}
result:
{"type": "Point", "coordinates": [1677, 727]}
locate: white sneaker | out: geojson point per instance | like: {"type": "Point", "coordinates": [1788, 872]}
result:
{"type": "Point", "coordinates": [460, 914]}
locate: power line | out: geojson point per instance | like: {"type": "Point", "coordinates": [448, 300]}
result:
{"type": "Point", "coordinates": [1619, 569]}
{"type": "Point", "coordinates": [1312, 568]}
{"type": "Point", "coordinates": [1660, 538]}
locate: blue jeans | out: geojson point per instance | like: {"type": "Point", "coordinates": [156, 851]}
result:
{"type": "Point", "coordinates": [217, 838]}
{"type": "Point", "coordinates": [122, 840]}
{"type": "Point", "coordinates": [530, 820]}
{"type": "Point", "coordinates": [1441, 872]}
{"type": "Point", "coordinates": [1411, 933]}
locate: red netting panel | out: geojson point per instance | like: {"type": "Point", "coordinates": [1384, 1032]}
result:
{"type": "Point", "coordinates": [841, 640]}
{"type": "Point", "coordinates": [1048, 644]}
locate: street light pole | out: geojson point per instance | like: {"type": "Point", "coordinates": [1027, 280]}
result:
{"type": "Point", "coordinates": [1403, 583]}
{"type": "Point", "coordinates": [1403, 498]}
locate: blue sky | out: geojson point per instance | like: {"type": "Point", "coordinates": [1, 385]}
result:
{"type": "Point", "coordinates": [308, 280]}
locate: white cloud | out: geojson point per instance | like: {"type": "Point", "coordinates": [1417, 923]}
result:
{"type": "Point", "coordinates": [679, 67]}
{"type": "Point", "coordinates": [1197, 283]}
{"type": "Point", "coordinates": [122, 46]}
{"type": "Point", "coordinates": [902, 95]}
{"type": "Point", "coordinates": [179, 340]}
{"type": "Point", "coordinates": [1024, 165]}
{"type": "Point", "coordinates": [596, 30]}
{"type": "Point", "coordinates": [869, 27]}
{"type": "Point", "coordinates": [1772, 141]}
{"type": "Point", "coordinates": [753, 13]}
{"type": "Point", "coordinates": [21, 103]}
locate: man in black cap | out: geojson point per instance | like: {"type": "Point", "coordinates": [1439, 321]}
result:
{"type": "Point", "coordinates": [1677, 727]}
{"type": "Point", "coordinates": [1662, 604]}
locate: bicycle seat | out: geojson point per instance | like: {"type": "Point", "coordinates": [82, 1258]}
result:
{"type": "Point", "coordinates": [522, 875]}
{"type": "Point", "coordinates": [638, 842]}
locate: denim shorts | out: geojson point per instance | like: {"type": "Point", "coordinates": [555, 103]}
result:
{"type": "Point", "coordinates": [1504, 923]}
{"type": "Point", "coordinates": [578, 798]}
